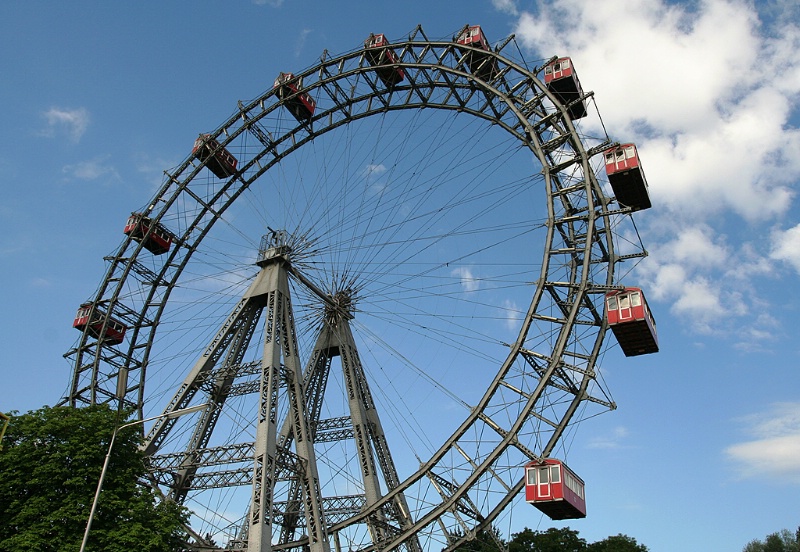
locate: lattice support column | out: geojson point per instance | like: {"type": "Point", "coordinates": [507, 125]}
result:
{"type": "Point", "coordinates": [281, 361]}
{"type": "Point", "coordinates": [368, 431]}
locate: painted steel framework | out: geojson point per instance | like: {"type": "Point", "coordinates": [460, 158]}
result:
{"type": "Point", "coordinates": [548, 374]}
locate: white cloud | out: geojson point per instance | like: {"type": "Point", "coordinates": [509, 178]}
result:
{"type": "Point", "coordinates": [708, 92]}
{"type": "Point", "coordinates": [513, 314]}
{"type": "Point", "coordinates": [301, 42]}
{"type": "Point", "coordinates": [774, 452]}
{"type": "Point", "coordinates": [506, 6]}
{"type": "Point", "coordinates": [468, 281]}
{"type": "Point", "coordinates": [41, 283]}
{"type": "Point", "coordinates": [694, 246]}
{"type": "Point", "coordinates": [749, 262]}
{"type": "Point", "coordinates": [93, 169]}
{"type": "Point", "coordinates": [374, 170]}
{"type": "Point", "coordinates": [614, 440]}
{"type": "Point", "coordinates": [740, 161]}
{"type": "Point", "coordinates": [667, 280]}
{"type": "Point", "coordinates": [375, 186]}
{"type": "Point", "coordinates": [699, 297]}
{"type": "Point", "coordinates": [786, 246]}
{"type": "Point", "coordinates": [73, 122]}
{"type": "Point", "coordinates": [697, 90]}
{"type": "Point", "coordinates": [683, 271]}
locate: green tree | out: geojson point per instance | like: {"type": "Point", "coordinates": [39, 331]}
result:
{"type": "Point", "coordinates": [49, 468]}
{"type": "Point", "coordinates": [617, 543]}
{"type": "Point", "coordinates": [782, 541]}
{"type": "Point", "coordinates": [552, 540]}
{"type": "Point", "coordinates": [485, 541]}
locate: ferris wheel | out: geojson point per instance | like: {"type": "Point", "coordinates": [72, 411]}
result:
{"type": "Point", "coordinates": [384, 278]}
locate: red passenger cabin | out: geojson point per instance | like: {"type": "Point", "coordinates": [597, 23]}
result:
{"type": "Point", "coordinates": [113, 333]}
{"type": "Point", "coordinates": [154, 237]}
{"type": "Point", "coordinates": [481, 64]}
{"type": "Point", "coordinates": [301, 105]}
{"type": "Point", "coordinates": [631, 321]}
{"type": "Point", "coordinates": [218, 160]}
{"type": "Point", "coordinates": [562, 80]}
{"type": "Point", "coordinates": [382, 57]}
{"type": "Point", "coordinates": [554, 489]}
{"type": "Point", "coordinates": [626, 177]}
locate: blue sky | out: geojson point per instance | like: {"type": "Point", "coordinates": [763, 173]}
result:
{"type": "Point", "coordinates": [703, 452]}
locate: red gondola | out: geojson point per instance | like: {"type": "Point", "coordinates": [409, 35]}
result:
{"type": "Point", "coordinates": [218, 160]}
{"type": "Point", "coordinates": [626, 177]}
{"type": "Point", "coordinates": [631, 321]}
{"type": "Point", "coordinates": [378, 54]}
{"type": "Point", "coordinates": [300, 105]}
{"type": "Point", "coordinates": [562, 80]}
{"type": "Point", "coordinates": [158, 240]}
{"type": "Point", "coordinates": [482, 65]}
{"type": "Point", "coordinates": [554, 489]}
{"type": "Point", "coordinates": [113, 333]}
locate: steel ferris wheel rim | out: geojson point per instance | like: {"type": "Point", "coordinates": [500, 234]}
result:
{"type": "Point", "coordinates": [438, 78]}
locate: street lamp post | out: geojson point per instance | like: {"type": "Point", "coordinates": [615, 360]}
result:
{"type": "Point", "coordinates": [5, 419]}
{"type": "Point", "coordinates": [169, 415]}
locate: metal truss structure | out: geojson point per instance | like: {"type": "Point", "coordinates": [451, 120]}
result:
{"type": "Point", "coordinates": [299, 313]}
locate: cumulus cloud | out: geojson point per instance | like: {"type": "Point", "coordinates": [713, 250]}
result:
{"type": "Point", "coordinates": [774, 450]}
{"type": "Point", "coordinates": [708, 91]}
{"type": "Point", "coordinates": [468, 280]}
{"type": "Point", "coordinates": [72, 122]}
{"type": "Point", "coordinates": [695, 246]}
{"type": "Point", "coordinates": [683, 272]}
{"type": "Point", "coordinates": [697, 90]}
{"type": "Point", "coordinates": [786, 246]}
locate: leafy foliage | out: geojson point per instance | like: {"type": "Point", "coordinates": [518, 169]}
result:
{"type": "Point", "coordinates": [782, 541]}
{"type": "Point", "coordinates": [49, 468]}
{"type": "Point", "coordinates": [551, 540]}
{"type": "Point", "coordinates": [617, 543]}
{"type": "Point", "coordinates": [484, 541]}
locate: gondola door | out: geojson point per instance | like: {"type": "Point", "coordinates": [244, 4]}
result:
{"type": "Point", "coordinates": [625, 312]}
{"type": "Point", "coordinates": [543, 489]}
